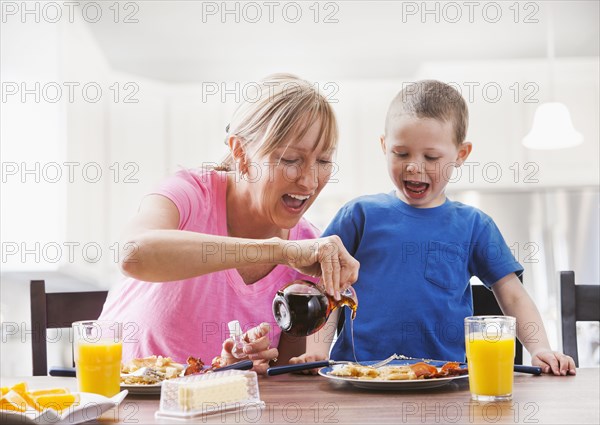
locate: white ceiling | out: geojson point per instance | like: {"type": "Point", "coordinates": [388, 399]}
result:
{"type": "Point", "coordinates": [370, 40]}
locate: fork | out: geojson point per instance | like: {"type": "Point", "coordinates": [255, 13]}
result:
{"type": "Point", "coordinates": [533, 370]}
{"type": "Point", "coordinates": [146, 373]}
{"type": "Point", "coordinates": [279, 370]}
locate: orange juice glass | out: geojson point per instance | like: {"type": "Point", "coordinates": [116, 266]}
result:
{"type": "Point", "coordinates": [490, 346]}
{"type": "Point", "coordinates": [97, 348]}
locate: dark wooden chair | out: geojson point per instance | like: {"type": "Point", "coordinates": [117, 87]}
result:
{"type": "Point", "coordinates": [57, 310]}
{"type": "Point", "coordinates": [577, 303]}
{"type": "Point", "coordinates": [485, 304]}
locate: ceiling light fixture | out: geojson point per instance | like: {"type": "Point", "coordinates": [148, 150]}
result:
{"type": "Point", "coordinates": [552, 126]}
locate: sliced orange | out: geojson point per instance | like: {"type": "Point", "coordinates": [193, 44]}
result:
{"type": "Point", "coordinates": [57, 402]}
{"type": "Point", "coordinates": [49, 391]}
{"type": "Point", "coordinates": [21, 389]}
{"type": "Point", "coordinates": [13, 401]}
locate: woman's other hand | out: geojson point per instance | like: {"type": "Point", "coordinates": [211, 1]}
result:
{"type": "Point", "coordinates": [257, 347]}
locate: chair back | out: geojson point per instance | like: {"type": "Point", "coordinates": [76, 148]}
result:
{"type": "Point", "coordinates": [577, 303]}
{"type": "Point", "coordinates": [57, 310]}
{"type": "Point", "coordinates": [485, 304]}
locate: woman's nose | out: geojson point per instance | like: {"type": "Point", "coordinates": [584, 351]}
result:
{"type": "Point", "coordinates": [308, 177]}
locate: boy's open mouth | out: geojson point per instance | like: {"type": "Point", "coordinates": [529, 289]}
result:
{"type": "Point", "coordinates": [416, 189]}
{"type": "Point", "coordinates": [293, 201]}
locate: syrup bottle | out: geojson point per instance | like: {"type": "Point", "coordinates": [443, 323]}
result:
{"type": "Point", "coordinates": [235, 333]}
{"type": "Point", "coordinates": [301, 308]}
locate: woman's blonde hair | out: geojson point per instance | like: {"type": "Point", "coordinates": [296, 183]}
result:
{"type": "Point", "coordinates": [285, 107]}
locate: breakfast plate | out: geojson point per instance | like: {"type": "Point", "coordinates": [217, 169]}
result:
{"type": "Point", "coordinates": [90, 406]}
{"type": "Point", "coordinates": [140, 389]}
{"type": "Point", "coordinates": [393, 385]}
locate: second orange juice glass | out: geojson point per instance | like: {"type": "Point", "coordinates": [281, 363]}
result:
{"type": "Point", "coordinates": [97, 349]}
{"type": "Point", "coordinates": [490, 346]}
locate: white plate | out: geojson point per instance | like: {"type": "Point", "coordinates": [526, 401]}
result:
{"type": "Point", "coordinates": [380, 384]}
{"type": "Point", "coordinates": [91, 406]}
{"type": "Point", "coordinates": [142, 389]}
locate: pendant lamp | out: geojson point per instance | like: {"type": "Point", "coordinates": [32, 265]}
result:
{"type": "Point", "coordinates": [552, 126]}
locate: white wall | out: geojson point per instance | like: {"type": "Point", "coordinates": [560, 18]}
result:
{"type": "Point", "coordinates": [136, 141]}
{"type": "Point", "coordinates": [32, 134]}
{"type": "Point", "coordinates": [171, 126]}
{"type": "Point", "coordinates": [502, 99]}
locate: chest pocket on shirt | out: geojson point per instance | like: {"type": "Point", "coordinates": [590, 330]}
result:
{"type": "Point", "coordinates": [445, 264]}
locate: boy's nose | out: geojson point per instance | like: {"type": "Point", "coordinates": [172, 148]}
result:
{"type": "Point", "coordinates": [412, 167]}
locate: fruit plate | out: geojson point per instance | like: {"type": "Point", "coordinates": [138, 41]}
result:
{"type": "Point", "coordinates": [89, 407]}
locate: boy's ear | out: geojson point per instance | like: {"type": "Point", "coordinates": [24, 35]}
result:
{"type": "Point", "coordinates": [382, 143]}
{"type": "Point", "coordinates": [464, 150]}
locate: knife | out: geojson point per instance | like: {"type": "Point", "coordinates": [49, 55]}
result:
{"type": "Point", "coordinates": [70, 371]}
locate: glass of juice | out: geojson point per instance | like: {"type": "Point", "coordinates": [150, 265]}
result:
{"type": "Point", "coordinates": [97, 350]}
{"type": "Point", "coordinates": [490, 346]}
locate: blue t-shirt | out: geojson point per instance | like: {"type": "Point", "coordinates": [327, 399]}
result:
{"type": "Point", "coordinates": [415, 264]}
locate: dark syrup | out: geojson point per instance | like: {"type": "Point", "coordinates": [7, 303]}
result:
{"type": "Point", "coordinates": [304, 314]}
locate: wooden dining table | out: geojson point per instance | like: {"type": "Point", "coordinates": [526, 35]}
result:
{"type": "Point", "coordinates": [302, 399]}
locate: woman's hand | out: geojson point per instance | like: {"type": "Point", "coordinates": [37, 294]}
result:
{"type": "Point", "coordinates": [307, 358]}
{"type": "Point", "coordinates": [326, 258]}
{"type": "Point", "coordinates": [257, 347]}
{"type": "Point", "coordinates": [554, 362]}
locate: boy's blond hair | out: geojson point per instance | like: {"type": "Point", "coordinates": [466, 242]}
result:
{"type": "Point", "coordinates": [286, 107]}
{"type": "Point", "coordinates": [431, 99]}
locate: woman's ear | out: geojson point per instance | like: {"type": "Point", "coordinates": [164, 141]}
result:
{"type": "Point", "coordinates": [238, 152]}
{"type": "Point", "coordinates": [464, 150]}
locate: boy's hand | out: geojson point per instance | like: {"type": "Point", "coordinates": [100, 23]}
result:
{"type": "Point", "coordinates": [554, 362]}
{"type": "Point", "coordinates": [307, 358]}
{"type": "Point", "coordinates": [257, 347]}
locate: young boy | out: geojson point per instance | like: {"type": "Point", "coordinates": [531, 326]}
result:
{"type": "Point", "coordinates": [417, 249]}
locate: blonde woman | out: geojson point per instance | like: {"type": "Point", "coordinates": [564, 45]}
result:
{"type": "Point", "coordinates": [212, 246]}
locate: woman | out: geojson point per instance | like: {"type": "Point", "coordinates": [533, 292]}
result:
{"type": "Point", "coordinates": [212, 246]}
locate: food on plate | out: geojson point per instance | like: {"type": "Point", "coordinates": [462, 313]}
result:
{"type": "Point", "coordinates": [196, 366]}
{"type": "Point", "coordinates": [158, 368]}
{"type": "Point", "coordinates": [18, 398]}
{"type": "Point", "coordinates": [419, 370]}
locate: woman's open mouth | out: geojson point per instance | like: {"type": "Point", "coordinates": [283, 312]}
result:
{"type": "Point", "coordinates": [294, 202]}
{"type": "Point", "coordinates": [415, 190]}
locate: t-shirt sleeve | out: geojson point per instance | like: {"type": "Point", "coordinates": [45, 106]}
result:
{"type": "Point", "coordinates": [189, 192]}
{"type": "Point", "coordinates": [491, 258]}
{"type": "Point", "coordinates": [346, 225]}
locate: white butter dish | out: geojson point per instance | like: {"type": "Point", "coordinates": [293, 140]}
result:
{"type": "Point", "coordinates": [208, 394]}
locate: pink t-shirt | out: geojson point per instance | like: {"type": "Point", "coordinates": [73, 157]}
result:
{"type": "Point", "coordinates": [189, 317]}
